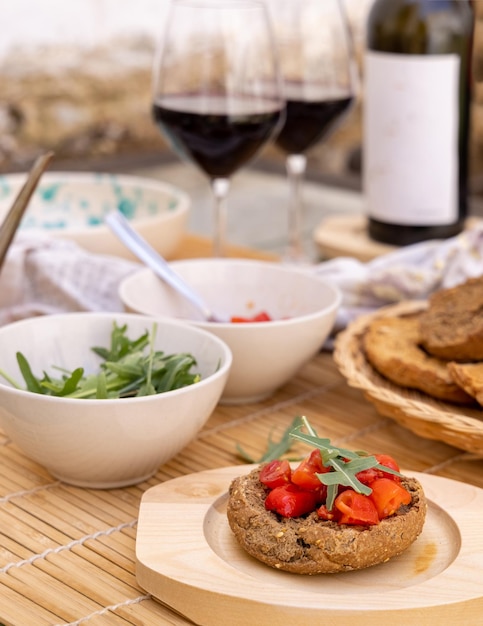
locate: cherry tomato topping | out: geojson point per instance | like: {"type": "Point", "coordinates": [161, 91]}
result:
{"type": "Point", "coordinates": [324, 513]}
{"type": "Point", "coordinates": [356, 508]}
{"type": "Point", "coordinates": [388, 461]}
{"type": "Point", "coordinates": [275, 474]}
{"type": "Point", "coordinates": [370, 475]}
{"type": "Point", "coordinates": [290, 501]}
{"type": "Point", "coordinates": [305, 475]}
{"type": "Point", "coordinates": [388, 496]}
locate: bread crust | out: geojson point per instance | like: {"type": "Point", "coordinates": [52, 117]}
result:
{"type": "Point", "coordinates": [452, 325]}
{"type": "Point", "coordinates": [392, 346]}
{"type": "Point", "coordinates": [469, 376]}
{"type": "Point", "coordinates": [309, 545]}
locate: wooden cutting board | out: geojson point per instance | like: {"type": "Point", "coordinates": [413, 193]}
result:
{"type": "Point", "coordinates": [346, 235]}
{"type": "Point", "coordinates": [188, 558]}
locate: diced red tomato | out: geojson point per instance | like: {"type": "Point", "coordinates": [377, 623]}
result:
{"type": "Point", "coordinates": [387, 496]}
{"type": "Point", "coordinates": [291, 501]}
{"type": "Point", "coordinates": [296, 492]}
{"type": "Point", "coordinates": [356, 508]}
{"type": "Point", "coordinates": [370, 475]}
{"type": "Point", "coordinates": [259, 317]}
{"type": "Point", "coordinates": [324, 513]}
{"type": "Point", "coordinates": [275, 474]}
{"type": "Point", "coordinates": [304, 475]}
{"type": "Point", "coordinates": [388, 461]}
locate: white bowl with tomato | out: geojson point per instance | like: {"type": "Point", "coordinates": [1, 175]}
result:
{"type": "Point", "coordinates": [278, 316]}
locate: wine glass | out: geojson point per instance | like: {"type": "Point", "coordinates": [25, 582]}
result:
{"type": "Point", "coordinates": [319, 71]}
{"type": "Point", "coordinates": [217, 89]}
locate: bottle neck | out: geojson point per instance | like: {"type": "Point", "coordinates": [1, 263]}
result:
{"type": "Point", "coordinates": [420, 26]}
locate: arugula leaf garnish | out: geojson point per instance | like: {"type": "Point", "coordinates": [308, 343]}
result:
{"type": "Point", "coordinates": [344, 464]}
{"type": "Point", "coordinates": [32, 382]}
{"type": "Point", "coordinates": [275, 449]}
{"type": "Point", "coordinates": [126, 371]}
{"type": "Point", "coordinates": [63, 387]}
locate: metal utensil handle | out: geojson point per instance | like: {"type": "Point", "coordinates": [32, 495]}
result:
{"type": "Point", "coordinates": [139, 246]}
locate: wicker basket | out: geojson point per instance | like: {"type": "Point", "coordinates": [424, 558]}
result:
{"type": "Point", "coordinates": [461, 427]}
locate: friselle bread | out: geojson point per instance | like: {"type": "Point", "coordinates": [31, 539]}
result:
{"type": "Point", "coordinates": [469, 376]}
{"type": "Point", "coordinates": [392, 346]}
{"type": "Point", "coordinates": [452, 325]}
{"type": "Point", "coordinates": [309, 545]}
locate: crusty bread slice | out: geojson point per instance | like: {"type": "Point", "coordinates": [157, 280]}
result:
{"type": "Point", "coordinates": [392, 347]}
{"type": "Point", "coordinates": [309, 545]}
{"type": "Point", "coordinates": [452, 325]}
{"type": "Point", "coordinates": [469, 376]}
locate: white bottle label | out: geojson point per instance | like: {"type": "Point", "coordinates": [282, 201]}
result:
{"type": "Point", "coordinates": [410, 132]}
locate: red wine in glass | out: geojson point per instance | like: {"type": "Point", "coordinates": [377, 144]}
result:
{"type": "Point", "coordinates": [220, 143]}
{"type": "Point", "coordinates": [318, 68]}
{"type": "Point", "coordinates": [217, 89]}
{"type": "Point", "coordinates": [309, 121]}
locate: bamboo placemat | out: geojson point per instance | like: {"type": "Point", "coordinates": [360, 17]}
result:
{"type": "Point", "coordinates": [67, 554]}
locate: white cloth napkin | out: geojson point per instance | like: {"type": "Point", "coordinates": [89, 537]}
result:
{"type": "Point", "coordinates": [49, 275]}
{"type": "Point", "coordinates": [409, 273]}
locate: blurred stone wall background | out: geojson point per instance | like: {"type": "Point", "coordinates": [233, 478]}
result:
{"type": "Point", "coordinates": [84, 91]}
{"type": "Point", "coordinates": [77, 81]}
{"type": "Point", "coordinates": [73, 82]}
{"type": "Point", "coordinates": [476, 160]}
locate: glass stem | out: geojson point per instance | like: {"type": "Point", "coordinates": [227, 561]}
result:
{"type": "Point", "coordinates": [296, 166]}
{"type": "Point", "coordinates": [220, 188]}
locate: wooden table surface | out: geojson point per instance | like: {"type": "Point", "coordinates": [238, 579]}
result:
{"type": "Point", "coordinates": [67, 555]}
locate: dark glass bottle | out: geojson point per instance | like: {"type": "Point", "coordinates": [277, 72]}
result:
{"type": "Point", "coordinates": [416, 118]}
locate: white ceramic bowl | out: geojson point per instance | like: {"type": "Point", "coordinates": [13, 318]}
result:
{"type": "Point", "coordinates": [266, 355]}
{"type": "Point", "coordinates": [111, 442]}
{"type": "Point", "coordinates": [73, 205]}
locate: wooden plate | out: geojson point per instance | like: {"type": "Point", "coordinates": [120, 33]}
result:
{"type": "Point", "coordinates": [459, 426]}
{"type": "Point", "coordinates": [188, 558]}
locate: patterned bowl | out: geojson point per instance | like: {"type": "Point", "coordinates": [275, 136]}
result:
{"type": "Point", "coordinates": [73, 205]}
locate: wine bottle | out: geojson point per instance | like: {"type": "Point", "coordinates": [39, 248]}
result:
{"type": "Point", "coordinates": [416, 117]}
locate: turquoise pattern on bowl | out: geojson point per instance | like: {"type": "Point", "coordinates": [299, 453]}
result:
{"type": "Point", "coordinates": [74, 204]}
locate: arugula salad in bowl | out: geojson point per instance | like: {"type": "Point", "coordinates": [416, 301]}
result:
{"type": "Point", "coordinates": [102, 400]}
